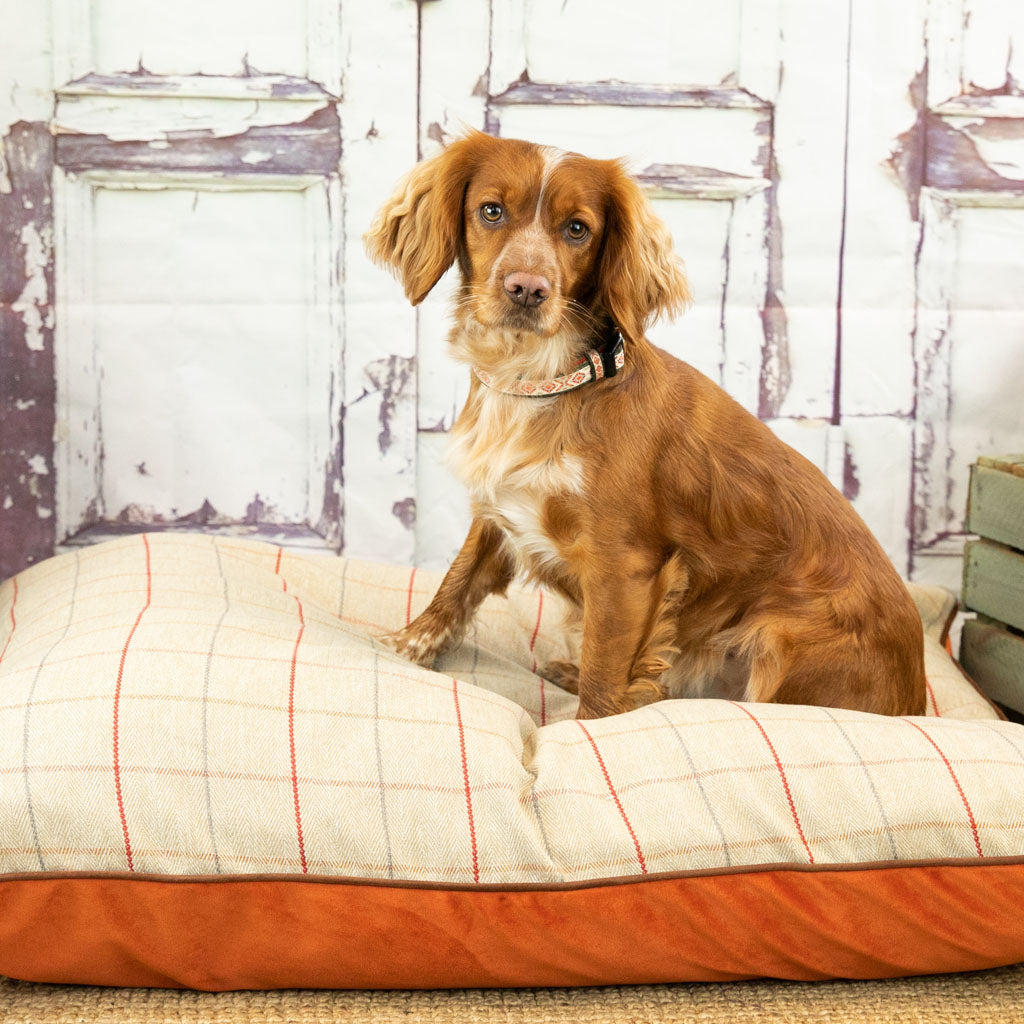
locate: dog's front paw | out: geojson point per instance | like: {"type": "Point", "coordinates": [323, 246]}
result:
{"type": "Point", "coordinates": [421, 642]}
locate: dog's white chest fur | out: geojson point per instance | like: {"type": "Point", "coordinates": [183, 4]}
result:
{"type": "Point", "coordinates": [520, 516]}
{"type": "Point", "coordinates": [511, 473]}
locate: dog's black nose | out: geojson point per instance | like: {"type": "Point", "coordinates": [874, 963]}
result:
{"type": "Point", "coordinates": [527, 289]}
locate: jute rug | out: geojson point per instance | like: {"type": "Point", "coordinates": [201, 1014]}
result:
{"type": "Point", "coordinates": [983, 997]}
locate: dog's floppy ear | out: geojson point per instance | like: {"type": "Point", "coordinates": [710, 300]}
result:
{"type": "Point", "coordinates": [417, 232]}
{"type": "Point", "coordinates": [640, 277]}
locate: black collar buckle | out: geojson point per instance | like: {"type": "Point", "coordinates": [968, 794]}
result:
{"type": "Point", "coordinates": [608, 354]}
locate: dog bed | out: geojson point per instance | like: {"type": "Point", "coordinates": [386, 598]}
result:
{"type": "Point", "coordinates": [213, 776]}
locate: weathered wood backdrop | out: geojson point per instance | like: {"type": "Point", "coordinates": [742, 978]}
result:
{"type": "Point", "coordinates": [190, 333]}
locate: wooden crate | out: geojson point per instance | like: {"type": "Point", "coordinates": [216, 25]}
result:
{"type": "Point", "coordinates": [992, 646]}
{"type": "Point", "coordinates": [994, 581]}
{"type": "Point", "coordinates": [995, 503]}
{"type": "Point", "coordinates": [993, 656]}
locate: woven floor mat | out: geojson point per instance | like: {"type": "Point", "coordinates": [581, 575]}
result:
{"type": "Point", "coordinates": [977, 998]}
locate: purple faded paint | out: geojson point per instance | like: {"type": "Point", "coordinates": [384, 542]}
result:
{"type": "Point", "coordinates": [693, 179]}
{"type": "Point", "coordinates": [776, 376]}
{"type": "Point", "coordinates": [954, 161]}
{"type": "Point", "coordinates": [331, 524]}
{"type": "Point", "coordinates": [312, 146]}
{"type": "Point", "coordinates": [394, 380]}
{"type": "Point", "coordinates": [933, 151]}
{"type": "Point", "coordinates": [907, 156]}
{"type": "Point", "coordinates": [851, 481]}
{"type": "Point", "coordinates": [621, 94]}
{"type": "Point", "coordinates": [405, 512]}
{"type": "Point", "coordinates": [27, 380]}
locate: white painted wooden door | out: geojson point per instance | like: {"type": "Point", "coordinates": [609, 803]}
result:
{"type": "Point", "coordinates": [969, 341]}
{"type": "Point", "coordinates": [196, 208]}
{"type": "Point", "coordinates": [932, 313]}
{"type": "Point", "coordinates": [202, 263]}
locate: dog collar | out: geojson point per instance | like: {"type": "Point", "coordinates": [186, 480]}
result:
{"type": "Point", "coordinates": [595, 365]}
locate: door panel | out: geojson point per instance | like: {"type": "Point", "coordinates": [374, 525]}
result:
{"type": "Point", "coordinates": [198, 213]}
{"type": "Point", "coordinates": [201, 352]}
{"type": "Point", "coordinates": [652, 44]}
{"type": "Point", "coordinates": [230, 37]}
{"type": "Point", "coordinates": [652, 128]}
{"type": "Point", "coordinates": [196, 345]}
{"type": "Point", "coordinates": [970, 350]}
{"type": "Point", "coordinates": [987, 342]}
{"type": "Point", "coordinates": [235, 34]}
{"type": "Point", "coordinates": [650, 41]}
{"type": "Point", "coordinates": [969, 205]}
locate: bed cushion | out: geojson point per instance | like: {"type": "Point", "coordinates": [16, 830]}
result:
{"type": "Point", "coordinates": [212, 775]}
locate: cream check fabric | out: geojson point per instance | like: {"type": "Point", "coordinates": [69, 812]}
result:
{"type": "Point", "coordinates": [176, 704]}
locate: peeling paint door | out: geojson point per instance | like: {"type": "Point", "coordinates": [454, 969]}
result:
{"type": "Point", "coordinates": [197, 210]}
{"type": "Point", "coordinates": [969, 207]}
{"type": "Point", "coordinates": [186, 286]}
{"type": "Point", "coordinates": [736, 156]}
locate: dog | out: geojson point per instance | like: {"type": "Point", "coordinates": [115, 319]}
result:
{"type": "Point", "coordinates": [701, 555]}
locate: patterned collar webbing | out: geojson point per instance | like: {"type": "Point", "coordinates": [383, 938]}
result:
{"type": "Point", "coordinates": [595, 365]}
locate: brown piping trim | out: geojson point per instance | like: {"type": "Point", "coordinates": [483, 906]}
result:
{"type": "Point", "coordinates": [590, 883]}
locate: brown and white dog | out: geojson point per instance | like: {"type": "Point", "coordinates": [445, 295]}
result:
{"type": "Point", "coordinates": [704, 556]}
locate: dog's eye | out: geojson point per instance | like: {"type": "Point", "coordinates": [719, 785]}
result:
{"type": "Point", "coordinates": [577, 230]}
{"type": "Point", "coordinates": [492, 212]}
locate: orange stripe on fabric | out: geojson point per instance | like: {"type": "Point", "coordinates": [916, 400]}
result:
{"type": "Point", "coordinates": [956, 782]}
{"type": "Point", "coordinates": [931, 694]}
{"type": "Point", "coordinates": [465, 781]}
{"type": "Point", "coordinates": [536, 628]}
{"type": "Point", "coordinates": [533, 643]}
{"type": "Point", "coordinates": [291, 737]}
{"type": "Point", "coordinates": [291, 718]}
{"type": "Point", "coordinates": [782, 775]}
{"type": "Point", "coordinates": [615, 797]}
{"type": "Point", "coordinates": [117, 709]}
{"type": "Point", "coordinates": [408, 602]}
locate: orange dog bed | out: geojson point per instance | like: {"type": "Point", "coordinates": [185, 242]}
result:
{"type": "Point", "coordinates": [212, 776]}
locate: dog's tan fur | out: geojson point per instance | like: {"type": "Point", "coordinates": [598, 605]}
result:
{"type": "Point", "coordinates": [703, 555]}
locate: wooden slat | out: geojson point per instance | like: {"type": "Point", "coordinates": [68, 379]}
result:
{"type": "Point", "coordinates": [312, 146]}
{"type": "Point", "coordinates": [995, 504]}
{"type": "Point", "coordinates": [220, 87]}
{"type": "Point", "coordinates": [994, 657]}
{"type": "Point", "coordinates": [1007, 463]}
{"type": "Point", "coordinates": [671, 181]}
{"type": "Point", "coordinates": [982, 106]}
{"type": "Point", "coordinates": [994, 581]}
{"type": "Point", "coordinates": [629, 95]}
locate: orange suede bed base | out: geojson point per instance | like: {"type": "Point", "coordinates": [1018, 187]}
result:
{"type": "Point", "coordinates": [267, 932]}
